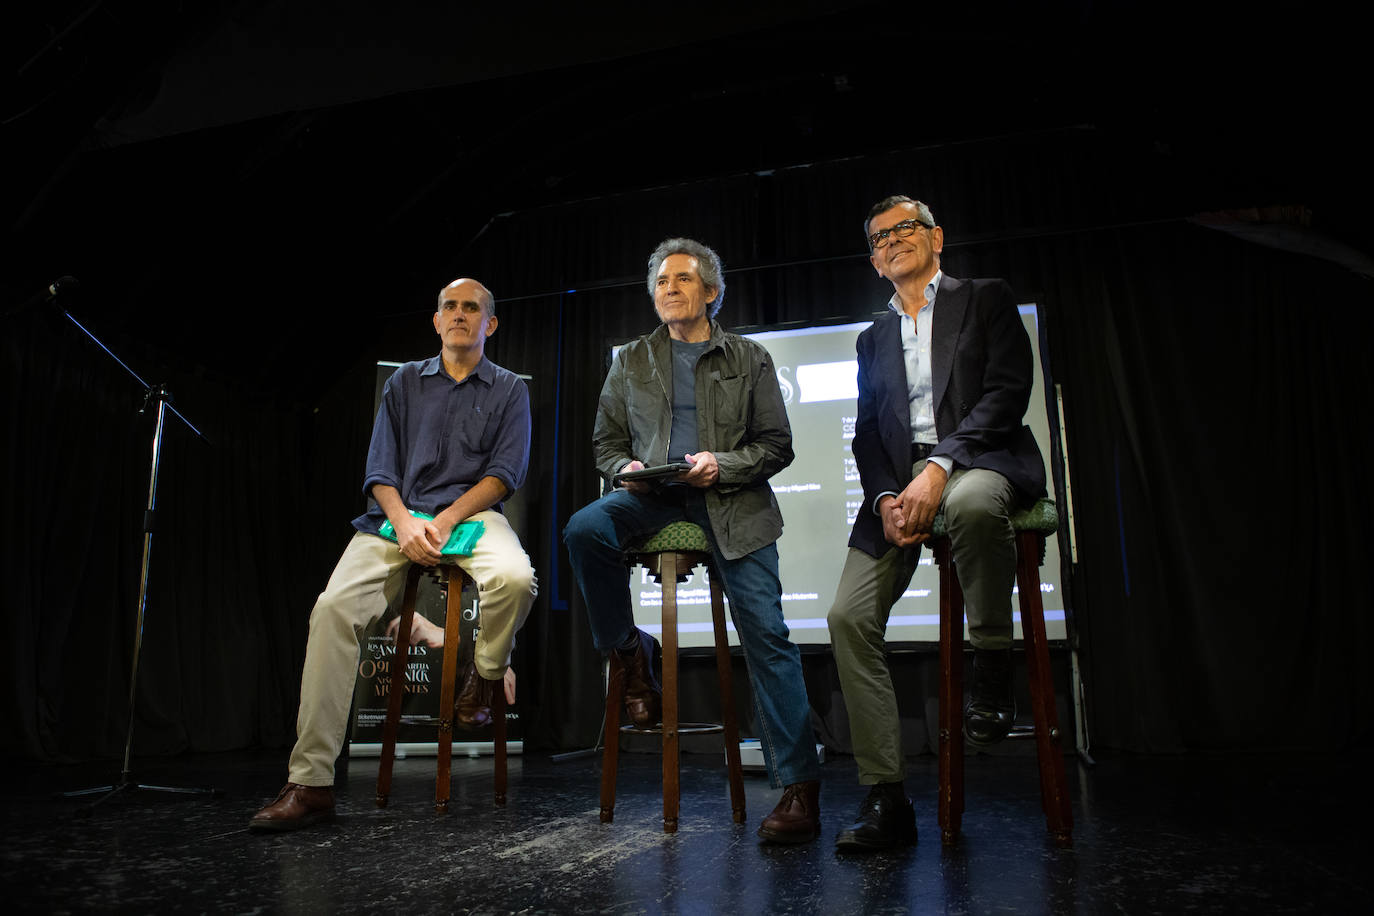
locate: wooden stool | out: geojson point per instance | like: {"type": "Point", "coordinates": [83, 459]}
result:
{"type": "Point", "coordinates": [1031, 526]}
{"type": "Point", "coordinates": [670, 556]}
{"type": "Point", "coordinates": [450, 577]}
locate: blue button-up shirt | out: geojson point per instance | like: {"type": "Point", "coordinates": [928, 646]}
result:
{"type": "Point", "coordinates": [434, 438]}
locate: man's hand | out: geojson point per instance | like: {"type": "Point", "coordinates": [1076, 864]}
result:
{"type": "Point", "coordinates": [509, 681]}
{"type": "Point", "coordinates": [634, 486]}
{"type": "Point", "coordinates": [704, 473]}
{"type": "Point", "coordinates": [919, 502]}
{"type": "Point", "coordinates": [417, 539]}
{"type": "Point", "coordinates": [890, 511]}
{"type": "Point", "coordinates": [438, 532]}
{"type": "Point", "coordinates": [422, 632]}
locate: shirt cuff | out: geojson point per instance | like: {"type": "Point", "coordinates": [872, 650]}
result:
{"type": "Point", "coordinates": [877, 499]}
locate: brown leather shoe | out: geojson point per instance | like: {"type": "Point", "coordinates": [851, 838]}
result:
{"type": "Point", "coordinates": [296, 806]}
{"type": "Point", "coordinates": [797, 817]}
{"type": "Point", "coordinates": [472, 708]}
{"type": "Point", "coordinates": [643, 696]}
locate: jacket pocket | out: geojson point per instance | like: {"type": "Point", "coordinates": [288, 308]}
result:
{"type": "Point", "coordinates": [730, 410]}
{"type": "Point", "coordinates": [644, 397]}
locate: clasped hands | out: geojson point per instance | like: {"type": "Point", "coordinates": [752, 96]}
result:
{"type": "Point", "coordinates": [421, 540]}
{"type": "Point", "coordinates": [907, 517]}
{"type": "Point", "coordinates": [704, 473]}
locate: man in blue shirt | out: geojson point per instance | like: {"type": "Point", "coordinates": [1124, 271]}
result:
{"type": "Point", "coordinates": [693, 392]}
{"type": "Point", "coordinates": [451, 440]}
{"type": "Point", "coordinates": [944, 382]}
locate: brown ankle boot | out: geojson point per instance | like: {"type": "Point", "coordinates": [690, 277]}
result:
{"type": "Point", "coordinates": [643, 696]}
{"type": "Point", "coordinates": [472, 708]}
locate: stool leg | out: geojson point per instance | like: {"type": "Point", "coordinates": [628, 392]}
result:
{"type": "Point", "coordinates": [453, 636]}
{"type": "Point", "coordinates": [615, 697]}
{"type": "Point", "coordinates": [498, 742]}
{"type": "Point", "coordinates": [951, 800]}
{"type": "Point", "coordinates": [671, 773]}
{"type": "Point", "coordinates": [397, 688]}
{"type": "Point", "coordinates": [727, 701]}
{"type": "Point", "coordinates": [1054, 797]}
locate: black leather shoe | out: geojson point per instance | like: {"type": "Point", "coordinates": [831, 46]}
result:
{"type": "Point", "coordinates": [472, 707]}
{"type": "Point", "coordinates": [643, 696]}
{"type": "Point", "coordinates": [991, 707]}
{"type": "Point", "coordinates": [886, 820]}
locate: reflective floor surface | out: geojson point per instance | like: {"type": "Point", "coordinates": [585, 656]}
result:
{"type": "Point", "coordinates": [1237, 834]}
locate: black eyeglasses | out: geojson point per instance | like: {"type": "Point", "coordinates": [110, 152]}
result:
{"type": "Point", "coordinates": [901, 230]}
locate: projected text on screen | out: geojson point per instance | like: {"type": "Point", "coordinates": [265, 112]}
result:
{"type": "Point", "coordinates": [820, 494]}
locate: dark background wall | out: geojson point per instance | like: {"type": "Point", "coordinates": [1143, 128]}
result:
{"type": "Point", "coordinates": [261, 202]}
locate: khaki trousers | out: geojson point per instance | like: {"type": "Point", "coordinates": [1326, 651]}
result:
{"type": "Point", "coordinates": [369, 576]}
{"type": "Point", "coordinates": [977, 504]}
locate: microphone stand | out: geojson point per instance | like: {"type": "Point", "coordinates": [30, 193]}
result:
{"type": "Point", "coordinates": [160, 395]}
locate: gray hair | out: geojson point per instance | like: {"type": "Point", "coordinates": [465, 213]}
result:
{"type": "Point", "coordinates": [708, 267]}
{"type": "Point", "coordinates": [887, 203]}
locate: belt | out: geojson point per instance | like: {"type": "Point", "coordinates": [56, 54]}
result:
{"type": "Point", "coordinates": [921, 451]}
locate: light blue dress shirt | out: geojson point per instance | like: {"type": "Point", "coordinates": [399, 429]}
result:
{"type": "Point", "coordinates": [920, 390]}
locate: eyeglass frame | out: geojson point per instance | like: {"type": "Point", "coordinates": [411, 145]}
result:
{"type": "Point", "coordinates": [879, 239]}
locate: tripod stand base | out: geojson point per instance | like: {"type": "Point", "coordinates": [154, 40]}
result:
{"type": "Point", "coordinates": [108, 792]}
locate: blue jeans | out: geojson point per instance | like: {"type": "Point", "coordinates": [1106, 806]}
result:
{"type": "Point", "coordinates": [596, 537]}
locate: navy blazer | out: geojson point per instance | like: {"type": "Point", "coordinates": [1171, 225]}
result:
{"type": "Point", "coordinates": [981, 377]}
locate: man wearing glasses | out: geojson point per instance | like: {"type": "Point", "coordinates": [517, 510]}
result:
{"type": "Point", "coordinates": [944, 382]}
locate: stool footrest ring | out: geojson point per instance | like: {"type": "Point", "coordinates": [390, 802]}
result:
{"type": "Point", "coordinates": [683, 728]}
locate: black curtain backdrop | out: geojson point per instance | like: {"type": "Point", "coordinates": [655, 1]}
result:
{"type": "Point", "coordinates": [1212, 392]}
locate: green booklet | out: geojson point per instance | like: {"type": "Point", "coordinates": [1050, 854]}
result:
{"type": "Point", "coordinates": [460, 542]}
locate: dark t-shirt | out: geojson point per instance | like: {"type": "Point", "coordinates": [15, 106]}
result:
{"type": "Point", "coordinates": [683, 438]}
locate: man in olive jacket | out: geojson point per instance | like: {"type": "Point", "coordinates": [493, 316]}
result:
{"type": "Point", "coordinates": [692, 392]}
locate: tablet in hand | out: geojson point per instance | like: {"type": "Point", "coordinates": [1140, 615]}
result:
{"type": "Point", "coordinates": [671, 469]}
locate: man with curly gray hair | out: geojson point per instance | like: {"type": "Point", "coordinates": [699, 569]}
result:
{"type": "Point", "coordinates": [692, 392]}
{"type": "Point", "coordinates": [708, 264]}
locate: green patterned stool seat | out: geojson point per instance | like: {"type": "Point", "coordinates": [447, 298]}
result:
{"type": "Point", "coordinates": [1041, 517]}
{"type": "Point", "coordinates": [676, 536]}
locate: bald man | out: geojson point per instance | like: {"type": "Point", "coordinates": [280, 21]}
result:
{"type": "Point", "coordinates": [451, 441]}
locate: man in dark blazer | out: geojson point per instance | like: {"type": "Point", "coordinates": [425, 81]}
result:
{"type": "Point", "coordinates": [944, 381]}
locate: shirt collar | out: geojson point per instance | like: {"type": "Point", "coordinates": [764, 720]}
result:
{"type": "Point", "coordinates": [932, 289]}
{"type": "Point", "coordinates": [660, 334]}
{"type": "Point", "coordinates": [435, 364]}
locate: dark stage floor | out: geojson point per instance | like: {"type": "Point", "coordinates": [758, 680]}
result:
{"type": "Point", "coordinates": [1252, 834]}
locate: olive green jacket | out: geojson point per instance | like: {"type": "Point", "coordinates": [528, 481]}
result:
{"type": "Point", "coordinates": [740, 419]}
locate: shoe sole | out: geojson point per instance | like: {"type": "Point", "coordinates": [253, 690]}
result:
{"type": "Point", "coordinates": [788, 839]}
{"type": "Point", "coordinates": [978, 744]}
{"type": "Point", "coordinates": [855, 844]}
{"type": "Point", "coordinates": [276, 825]}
